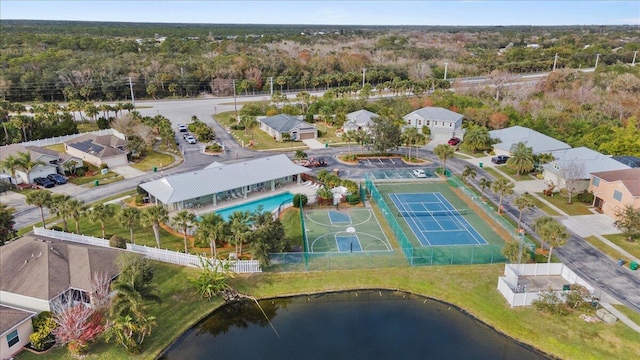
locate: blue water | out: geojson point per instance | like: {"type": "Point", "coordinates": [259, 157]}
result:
{"type": "Point", "coordinates": [268, 204]}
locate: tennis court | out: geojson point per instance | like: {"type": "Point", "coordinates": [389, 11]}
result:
{"type": "Point", "coordinates": [344, 231]}
{"type": "Point", "coordinates": [434, 220]}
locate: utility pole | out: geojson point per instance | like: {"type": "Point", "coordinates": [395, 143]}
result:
{"type": "Point", "coordinates": [597, 58]}
{"type": "Point", "coordinates": [235, 104]}
{"type": "Point", "coordinates": [633, 63]}
{"type": "Point", "coordinates": [555, 61]}
{"type": "Point", "coordinates": [445, 70]}
{"type": "Point", "coordinates": [364, 71]}
{"type": "Point", "coordinates": [133, 100]}
{"type": "Point", "coordinates": [271, 80]}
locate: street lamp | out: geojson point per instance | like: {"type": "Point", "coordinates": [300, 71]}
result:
{"type": "Point", "coordinates": [364, 71]}
{"type": "Point", "coordinates": [633, 62]}
{"type": "Point", "coordinates": [446, 65]}
{"type": "Point", "coordinates": [597, 58]}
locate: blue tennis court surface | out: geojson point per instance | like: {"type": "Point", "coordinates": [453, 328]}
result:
{"type": "Point", "coordinates": [445, 227]}
{"type": "Point", "coordinates": [348, 243]}
{"type": "Point", "coordinates": [337, 217]}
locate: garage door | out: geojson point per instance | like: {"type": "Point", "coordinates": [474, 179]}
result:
{"type": "Point", "coordinates": [307, 135]}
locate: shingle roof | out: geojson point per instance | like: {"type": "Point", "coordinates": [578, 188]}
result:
{"type": "Point", "coordinates": [43, 268]}
{"type": "Point", "coordinates": [10, 317]}
{"type": "Point", "coordinates": [539, 142]}
{"type": "Point", "coordinates": [437, 113]}
{"type": "Point", "coordinates": [592, 161]}
{"type": "Point", "coordinates": [360, 117]}
{"type": "Point", "coordinates": [100, 146]}
{"type": "Point", "coordinates": [630, 178]}
{"type": "Point", "coordinates": [35, 151]}
{"type": "Point", "coordinates": [283, 122]}
{"type": "Point", "coordinates": [212, 180]}
{"type": "Point", "coordinates": [631, 161]}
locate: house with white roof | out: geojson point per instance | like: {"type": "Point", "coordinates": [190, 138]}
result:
{"type": "Point", "coordinates": [540, 143]}
{"type": "Point", "coordinates": [283, 123]}
{"type": "Point", "coordinates": [52, 161]}
{"type": "Point", "coordinates": [359, 121]}
{"type": "Point", "coordinates": [219, 182]}
{"type": "Point", "coordinates": [578, 164]}
{"type": "Point", "coordinates": [444, 124]}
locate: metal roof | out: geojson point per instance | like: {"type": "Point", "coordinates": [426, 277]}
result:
{"type": "Point", "coordinates": [631, 161]}
{"type": "Point", "coordinates": [539, 142]}
{"type": "Point", "coordinates": [212, 180]}
{"type": "Point", "coordinates": [360, 118]}
{"type": "Point", "coordinates": [284, 123]}
{"type": "Point", "coordinates": [592, 161]}
{"type": "Point", "coordinates": [436, 113]}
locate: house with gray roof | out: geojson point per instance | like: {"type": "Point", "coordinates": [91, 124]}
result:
{"type": "Point", "coordinates": [578, 164]}
{"type": "Point", "coordinates": [53, 162]}
{"type": "Point", "coordinates": [540, 143]}
{"type": "Point", "coordinates": [444, 124]}
{"type": "Point", "coordinates": [630, 161]}
{"type": "Point", "coordinates": [280, 124]}
{"type": "Point", "coordinates": [99, 149]}
{"type": "Point", "coordinates": [15, 328]}
{"type": "Point", "coordinates": [359, 120]}
{"type": "Point", "coordinates": [37, 271]}
{"type": "Point", "coordinates": [213, 184]}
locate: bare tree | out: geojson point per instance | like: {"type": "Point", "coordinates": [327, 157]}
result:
{"type": "Point", "coordinates": [420, 71]}
{"type": "Point", "coordinates": [570, 175]}
{"type": "Point", "coordinates": [144, 132]}
{"type": "Point", "coordinates": [499, 79]}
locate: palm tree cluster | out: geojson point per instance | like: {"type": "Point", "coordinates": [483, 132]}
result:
{"type": "Point", "coordinates": [20, 161]}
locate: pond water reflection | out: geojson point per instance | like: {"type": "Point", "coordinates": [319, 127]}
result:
{"type": "Point", "coordinates": [355, 325]}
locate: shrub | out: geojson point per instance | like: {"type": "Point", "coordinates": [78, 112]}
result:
{"type": "Point", "coordinates": [577, 296]}
{"type": "Point", "coordinates": [585, 197]}
{"type": "Point", "coordinates": [103, 123]}
{"type": "Point", "coordinates": [43, 326]}
{"type": "Point", "coordinates": [104, 166]}
{"type": "Point", "coordinates": [353, 199]}
{"type": "Point", "coordinates": [237, 127]}
{"type": "Point", "coordinates": [55, 227]}
{"type": "Point", "coordinates": [139, 199]}
{"type": "Point", "coordinates": [550, 302]}
{"type": "Point", "coordinates": [117, 242]}
{"type": "Point", "coordinates": [300, 198]}
{"type": "Point", "coordinates": [214, 148]}
{"type": "Point", "coordinates": [81, 171]}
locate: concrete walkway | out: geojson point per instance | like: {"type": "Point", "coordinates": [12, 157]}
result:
{"type": "Point", "coordinates": [313, 144]}
{"type": "Point", "coordinates": [622, 317]}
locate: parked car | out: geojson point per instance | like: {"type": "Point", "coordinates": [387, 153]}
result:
{"type": "Point", "coordinates": [42, 181]}
{"type": "Point", "coordinates": [419, 173]}
{"type": "Point", "coordinates": [190, 139]}
{"type": "Point", "coordinates": [182, 128]}
{"type": "Point", "coordinates": [500, 159]}
{"type": "Point", "coordinates": [57, 178]}
{"type": "Point", "coordinates": [454, 141]}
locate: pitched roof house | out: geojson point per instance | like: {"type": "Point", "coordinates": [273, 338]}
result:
{"type": "Point", "coordinates": [613, 190]}
{"type": "Point", "coordinates": [15, 328]}
{"type": "Point", "coordinates": [53, 161]}
{"type": "Point", "coordinates": [282, 123]}
{"type": "Point", "coordinates": [359, 120]}
{"type": "Point", "coordinates": [510, 136]}
{"type": "Point", "coordinates": [99, 149]}
{"type": "Point", "coordinates": [443, 123]}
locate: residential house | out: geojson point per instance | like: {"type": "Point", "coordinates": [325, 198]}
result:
{"type": "Point", "coordinates": [630, 161]}
{"type": "Point", "coordinates": [53, 161]}
{"type": "Point", "coordinates": [540, 143]}
{"type": "Point", "coordinates": [283, 123]}
{"type": "Point", "coordinates": [359, 121]}
{"type": "Point", "coordinates": [613, 190]}
{"type": "Point", "coordinates": [577, 165]}
{"type": "Point", "coordinates": [219, 182]}
{"type": "Point", "coordinates": [37, 271]}
{"type": "Point", "coordinates": [99, 149]}
{"type": "Point", "coordinates": [444, 124]}
{"type": "Point", "coordinates": [15, 328]}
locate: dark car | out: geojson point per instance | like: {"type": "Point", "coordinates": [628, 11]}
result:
{"type": "Point", "coordinates": [454, 141]}
{"type": "Point", "coordinates": [57, 178]}
{"type": "Point", "coordinates": [500, 159]}
{"type": "Point", "coordinates": [44, 182]}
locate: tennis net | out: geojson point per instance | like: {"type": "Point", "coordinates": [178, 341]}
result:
{"type": "Point", "coordinates": [426, 213]}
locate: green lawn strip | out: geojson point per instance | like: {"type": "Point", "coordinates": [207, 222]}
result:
{"type": "Point", "coordinates": [87, 126]}
{"type": "Point", "coordinates": [632, 315]}
{"type": "Point", "coordinates": [110, 177]}
{"type": "Point", "coordinates": [513, 174]}
{"type": "Point", "coordinates": [573, 209]}
{"type": "Point", "coordinates": [56, 147]}
{"type": "Point", "coordinates": [471, 153]}
{"type": "Point", "coordinates": [292, 227]}
{"type": "Point", "coordinates": [153, 159]}
{"type": "Point", "coordinates": [632, 248]}
{"type": "Point", "coordinates": [544, 207]}
{"type": "Point", "coordinates": [496, 175]}
{"type": "Point", "coordinates": [608, 250]}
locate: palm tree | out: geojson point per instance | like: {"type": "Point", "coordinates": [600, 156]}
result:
{"type": "Point", "coordinates": [300, 154]}
{"type": "Point", "coordinates": [76, 209]}
{"type": "Point", "coordinates": [468, 172]}
{"type": "Point", "coordinates": [502, 187]}
{"type": "Point", "coordinates": [153, 216]}
{"type": "Point", "coordinates": [523, 203]}
{"type": "Point", "coordinates": [40, 199]}
{"type": "Point", "coordinates": [212, 228]}
{"type": "Point", "coordinates": [420, 139]}
{"type": "Point", "coordinates": [128, 217]}
{"type": "Point", "coordinates": [59, 206]}
{"type": "Point", "coordinates": [554, 233]}
{"type": "Point", "coordinates": [184, 220]}
{"type": "Point", "coordinates": [521, 159]}
{"type": "Point", "coordinates": [515, 253]}
{"type": "Point", "coordinates": [409, 137]}
{"type": "Point", "coordinates": [12, 164]}
{"type": "Point", "coordinates": [443, 152]}
{"type": "Point", "coordinates": [91, 110]}
{"type": "Point", "coordinates": [239, 221]}
{"type": "Point", "coordinates": [484, 183]}
{"type": "Point", "coordinates": [539, 225]}
{"type": "Point", "coordinates": [101, 213]}
{"type": "Point", "coordinates": [27, 164]}
{"type": "Point", "coordinates": [349, 136]}
{"type": "Point", "coordinates": [477, 138]}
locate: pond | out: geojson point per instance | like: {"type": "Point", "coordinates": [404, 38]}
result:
{"type": "Point", "coordinates": [368, 324]}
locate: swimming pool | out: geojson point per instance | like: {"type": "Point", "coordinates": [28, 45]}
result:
{"type": "Point", "coordinates": [268, 204]}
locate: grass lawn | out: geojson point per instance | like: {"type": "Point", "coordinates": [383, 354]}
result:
{"type": "Point", "coordinates": [632, 248]}
{"type": "Point", "coordinates": [507, 170]}
{"type": "Point", "coordinates": [104, 179]}
{"type": "Point", "coordinates": [608, 250]}
{"type": "Point", "coordinates": [544, 207]}
{"type": "Point", "coordinates": [292, 227]}
{"type": "Point", "coordinates": [566, 337]}
{"type": "Point", "coordinates": [632, 315]}
{"type": "Point", "coordinates": [153, 159]}
{"type": "Point", "coordinates": [57, 147]}
{"type": "Point", "coordinates": [471, 153]}
{"type": "Point", "coordinates": [575, 208]}
{"type": "Point", "coordinates": [496, 175]}
{"type": "Point", "coordinates": [87, 126]}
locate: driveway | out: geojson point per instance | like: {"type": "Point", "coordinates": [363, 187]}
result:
{"type": "Point", "coordinates": [68, 189]}
{"type": "Point", "coordinates": [313, 144]}
{"type": "Point", "coordinates": [128, 172]}
{"type": "Point", "coordinates": [587, 225]}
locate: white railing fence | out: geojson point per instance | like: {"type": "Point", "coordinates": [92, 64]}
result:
{"type": "Point", "coordinates": [173, 257]}
{"type": "Point", "coordinates": [61, 139]}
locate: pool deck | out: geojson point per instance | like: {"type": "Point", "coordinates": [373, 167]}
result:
{"type": "Point", "coordinates": [293, 188]}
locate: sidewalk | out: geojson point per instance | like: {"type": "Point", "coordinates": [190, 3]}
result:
{"type": "Point", "coordinates": [622, 317]}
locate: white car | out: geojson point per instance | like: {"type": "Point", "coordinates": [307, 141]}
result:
{"type": "Point", "coordinates": [419, 173]}
{"type": "Point", "coordinates": [182, 128]}
{"type": "Point", "coordinates": [190, 139]}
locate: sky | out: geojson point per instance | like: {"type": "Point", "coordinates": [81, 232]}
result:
{"type": "Point", "coordinates": [470, 12]}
